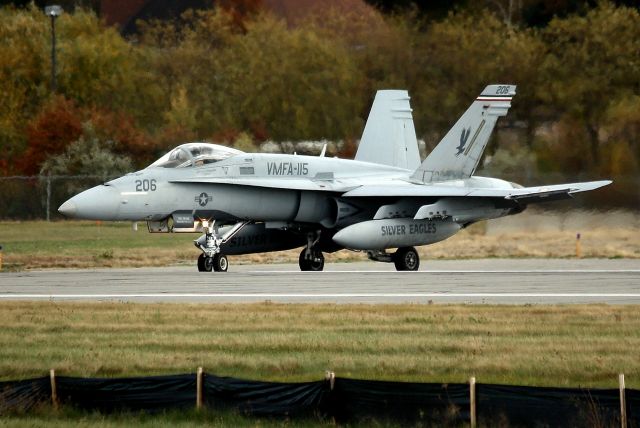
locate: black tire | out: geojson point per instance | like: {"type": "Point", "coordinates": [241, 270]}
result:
{"type": "Point", "coordinates": [316, 264]}
{"type": "Point", "coordinates": [302, 262]}
{"type": "Point", "coordinates": [406, 258]}
{"type": "Point", "coordinates": [220, 263]}
{"type": "Point", "coordinates": [204, 263]}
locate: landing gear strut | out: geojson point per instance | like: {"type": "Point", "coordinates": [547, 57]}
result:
{"type": "Point", "coordinates": [211, 259]}
{"type": "Point", "coordinates": [310, 258]}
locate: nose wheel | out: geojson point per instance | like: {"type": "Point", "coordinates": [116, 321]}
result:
{"type": "Point", "coordinates": [205, 264]}
{"type": "Point", "coordinates": [211, 258]}
{"type": "Point", "coordinates": [217, 263]}
{"type": "Point", "coordinates": [220, 263]}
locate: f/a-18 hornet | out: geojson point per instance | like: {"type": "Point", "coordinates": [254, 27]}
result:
{"type": "Point", "coordinates": [383, 199]}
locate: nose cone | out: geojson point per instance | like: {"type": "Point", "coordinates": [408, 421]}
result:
{"type": "Point", "coordinates": [68, 209]}
{"type": "Point", "coordinates": [98, 203]}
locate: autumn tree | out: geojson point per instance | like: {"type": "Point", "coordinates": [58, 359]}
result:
{"type": "Point", "coordinates": [99, 68]}
{"type": "Point", "coordinates": [24, 83]}
{"type": "Point", "coordinates": [88, 155]}
{"type": "Point", "coordinates": [272, 80]}
{"type": "Point", "coordinates": [50, 132]}
{"type": "Point", "coordinates": [593, 62]}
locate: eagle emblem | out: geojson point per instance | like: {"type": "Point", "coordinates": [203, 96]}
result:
{"type": "Point", "coordinates": [463, 140]}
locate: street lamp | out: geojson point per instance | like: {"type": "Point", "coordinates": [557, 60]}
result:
{"type": "Point", "coordinates": [53, 11]}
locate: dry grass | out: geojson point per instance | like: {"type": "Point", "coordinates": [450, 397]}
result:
{"type": "Point", "coordinates": [532, 345]}
{"type": "Point", "coordinates": [75, 244]}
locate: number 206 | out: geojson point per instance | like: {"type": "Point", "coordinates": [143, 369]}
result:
{"type": "Point", "coordinates": [145, 185]}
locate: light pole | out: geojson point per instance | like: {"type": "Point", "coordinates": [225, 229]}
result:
{"type": "Point", "coordinates": [53, 11]}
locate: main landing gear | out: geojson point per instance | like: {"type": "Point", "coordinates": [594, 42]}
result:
{"type": "Point", "coordinates": [311, 259]}
{"type": "Point", "coordinates": [404, 259]}
{"type": "Point", "coordinates": [211, 259]}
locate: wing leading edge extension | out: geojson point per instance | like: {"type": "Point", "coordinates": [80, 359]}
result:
{"type": "Point", "coordinates": [288, 183]}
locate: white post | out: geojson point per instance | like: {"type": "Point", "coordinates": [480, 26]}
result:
{"type": "Point", "coordinates": [331, 377]}
{"type": "Point", "coordinates": [472, 401]}
{"type": "Point", "coordinates": [54, 390]}
{"type": "Point", "coordinates": [48, 197]}
{"type": "Point", "coordinates": [623, 404]}
{"type": "Point", "coordinates": [199, 388]}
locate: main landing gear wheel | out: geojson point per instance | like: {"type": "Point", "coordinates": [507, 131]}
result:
{"type": "Point", "coordinates": [406, 258]}
{"type": "Point", "coordinates": [205, 264]}
{"type": "Point", "coordinates": [316, 263]}
{"type": "Point", "coordinates": [220, 263]}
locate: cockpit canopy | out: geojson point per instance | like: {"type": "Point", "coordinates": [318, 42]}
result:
{"type": "Point", "coordinates": [195, 154]}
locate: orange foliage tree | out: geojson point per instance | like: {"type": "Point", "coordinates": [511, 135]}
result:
{"type": "Point", "coordinates": [50, 132]}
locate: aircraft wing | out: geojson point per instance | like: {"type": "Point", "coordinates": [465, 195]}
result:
{"type": "Point", "coordinates": [554, 192]}
{"type": "Point", "coordinates": [525, 194]}
{"type": "Point", "coordinates": [320, 184]}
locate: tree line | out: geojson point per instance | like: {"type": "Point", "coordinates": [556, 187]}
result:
{"type": "Point", "coordinates": [209, 76]}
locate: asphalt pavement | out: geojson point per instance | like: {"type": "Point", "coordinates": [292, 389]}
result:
{"type": "Point", "coordinates": [511, 281]}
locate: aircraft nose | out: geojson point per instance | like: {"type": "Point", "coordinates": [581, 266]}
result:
{"type": "Point", "coordinates": [68, 209]}
{"type": "Point", "coordinates": [98, 203]}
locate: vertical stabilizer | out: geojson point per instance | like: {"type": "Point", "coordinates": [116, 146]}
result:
{"type": "Point", "coordinates": [389, 137]}
{"type": "Point", "coordinates": [458, 153]}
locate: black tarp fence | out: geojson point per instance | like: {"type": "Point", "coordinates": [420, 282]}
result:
{"type": "Point", "coordinates": [341, 399]}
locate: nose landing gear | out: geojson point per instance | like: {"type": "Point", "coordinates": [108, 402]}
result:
{"type": "Point", "coordinates": [217, 263]}
{"type": "Point", "coordinates": [211, 259]}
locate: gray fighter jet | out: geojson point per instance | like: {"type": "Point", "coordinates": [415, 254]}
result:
{"type": "Point", "coordinates": [383, 199]}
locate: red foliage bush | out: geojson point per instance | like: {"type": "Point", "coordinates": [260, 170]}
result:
{"type": "Point", "coordinates": [57, 125]}
{"type": "Point", "coordinates": [129, 140]}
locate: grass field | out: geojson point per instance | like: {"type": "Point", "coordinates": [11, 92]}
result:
{"type": "Point", "coordinates": [66, 417]}
{"type": "Point", "coordinates": [77, 244]}
{"type": "Point", "coordinates": [524, 345]}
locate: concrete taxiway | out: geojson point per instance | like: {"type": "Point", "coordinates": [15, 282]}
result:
{"type": "Point", "coordinates": [510, 281]}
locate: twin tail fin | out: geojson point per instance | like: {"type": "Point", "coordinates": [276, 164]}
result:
{"type": "Point", "coordinates": [389, 137]}
{"type": "Point", "coordinates": [458, 153]}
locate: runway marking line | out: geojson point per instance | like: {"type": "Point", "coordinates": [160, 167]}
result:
{"type": "Point", "coordinates": [302, 295]}
{"type": "Point", "coordinates": [31, 274]}
{"type": "Point", "coordinates": [446, 271]}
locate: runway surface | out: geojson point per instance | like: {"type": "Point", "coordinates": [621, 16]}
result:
{"type": "Point", "coordinates": [462, 281]}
